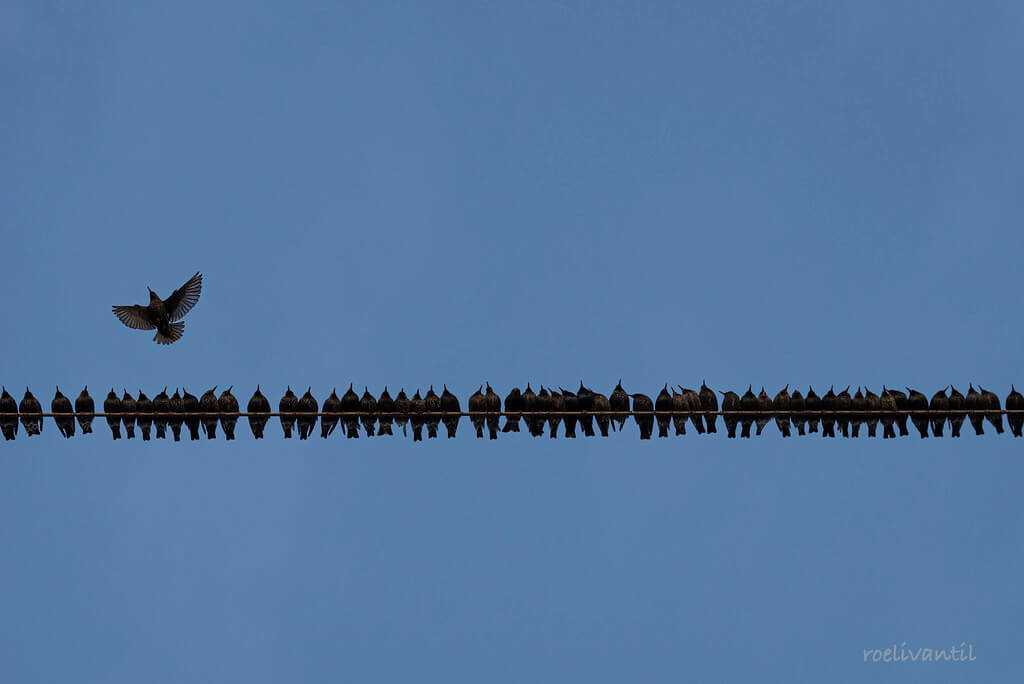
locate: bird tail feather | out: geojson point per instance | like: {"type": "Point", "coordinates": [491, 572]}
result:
{"type": "Point", "coordinates": [177, 330]}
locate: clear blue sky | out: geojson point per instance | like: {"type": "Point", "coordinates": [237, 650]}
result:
{"type": "Point", "coordinates": [416, 193]}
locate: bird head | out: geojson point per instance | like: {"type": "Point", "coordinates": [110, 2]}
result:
{"type": "Point", "coordinates": [152, 295]}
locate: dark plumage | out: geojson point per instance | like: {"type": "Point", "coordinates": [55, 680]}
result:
{"type": "Point", "coordinates": [974, 404]}
{"type": "Point", "coordinates": [708, 402]}
{"type": "Point", "coordinates": [403, 406]}
{"type": "Point", "coordinates": [31, 414]}
{"type": "Point", "coordinates": [287, 407]}
{"type": "Point", "coordinates": [128, 414]}
{"type": "Point", "coordinates": [417, 405]}
{"type": "Point", "coordinates": [586, 404]}
{"type": "Point", "coordinates": [308, 407]}
{"type": "Point", "coordinates": [888, 403]}
{"type": "Point", "coordinates": [227, 405]}
{"type": "Point", "coordinates": [601, 407]}
{"type": "Point", "coordinates": [492, 404]}
{"type": "Point", "coordinates": [859, 404]}
{"type": "Point", "coordinates": [9, 415]}
{"type": "Point", "coordinates": [812, 404]}
{"type": "Point", "coordinates": [797, 405]}
{"type": "Point", "coordinates": [694, 407]}
{"type": "Point", "coordinates": [619, 402]}
{"type": "Point", "coordinates": [385, 405]}
{"type": "Point", "coordinates": [544, 409]}
{"type": "Point", "coordinates": [432, 404]}
{"type": "Point", "coordinates": [764, 403]}
{"type": "Point", "coordinates": [161, 408]}
{"type": "Point", "coordinates": [572, 407]}
{"type": "Point", "coordinates": [748, 402]}
{"type": "Point", "coordinates": [957, 402]}
{"type": "Point", "coordinates": [513, 407]}
{"type": "Point", "coordinates": [990, 401]}
{"type": "Point", "coordinates": [730, 403]}
{"type": "Point", "coordinates": [161, 314]}
{"type": "Point", "coordinates": [557, 406]}
{"type": "Point", "coordinates": [368, 406]}
{"type": "Point", "coordinates": [939, 402]}
{"type": "Point", "coordinates": [1015, 402]}
{"type": "Point", "coordinates": [477, 406]}
{"type": "Point", "coordinates": [209, 408]}
{"type": "Point", "coordinates": [843, 403]}
{"type": "Point", "coordinates": [85, 408]}
{"type": "Point", "coordinates": [176, 407]}
{"type": "Point", "coordinates": [258, 404]}
{"type": "Point", "coordinates": [680, 407]}
{"type": "Point", "coordinates": [192, 420]}
{"type": "Point", "coordinates": [902, 404]}
{"type": "Point", "coordinates": [642, 402]}
{"type": "Point", "coordinates": [782, 403]}
{"type": "Point", "coordinates": [828, 419]}
{"type": "Point", "coordinates": [64, 415]}
{"type": "Point", "coordinates": [916, 401]}
{"type": "Point", "coordinates": [534, 425]}
{"type": "Point", "coordinates": [663, 405]}
{"type": "Point", "coordinates": [112, 407]}
{"type": "Point", "coordinates": [145, 408]}
{"type": "Point", "coordinates": [872, 406]}
{"type": "Point", "coordinates": [450, 405]}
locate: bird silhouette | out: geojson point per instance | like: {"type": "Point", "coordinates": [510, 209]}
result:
{"type": "Point", "coordinates": [385, 405]}
{"type": "Point", "coordinates": [161, 408]}
{"type": "Point", "coordinates": [680, 409]}
{"type": "Point", "coordinates": [332, 404]}
{"type": "Point", "coordinates": [543, 409]}
{"type": "Point", "coordinates": [828, 419]}
{"type": "Point", "coordinates": [192, 419]}
{"type": "Point", "coordinates": [85, 407]}
{"type": "Point", "coordinates": [871, 408]}
{"type": "Point", "coordinates": [31, 414]}
{"type": "Point", "coordinates": [619, 402]}
{"type": "Point", "coordinates": [163, 315]}
{"type": "Point", "coordinates": [902, 404]}
{"type": "Point", "coordinates": [859, 405]}
{"type": "Point", "coordinates": [939, 402]}
{"type": "Point", "coordinates": [748, 402]}
{"type": "Point", "coordinates": [642, 402]}
{"type": "Point", "coordinates": [782, 403]}
{"type": "Point", "coordinates": [112, 407]}
{"type": "Point", "coordinates": [812, 405]}
{"type": "Point", "coordinates": [418, 406]}
{"type": "Point", "coordinates": [843, 403]}
{"type": "Point", "coordinates": [145, 408]}
{"type": "Point", "coordinates": [258, 404]}
{"type": "Point", "coordinates": [695, 408]}
{"type": "Point", "coordinates": [8, 415]}
{"type": "Point", "coordinates": [533, 423]}
{"type": "Point", "coordinates": [887, 404]}
{"type": "Point", "coordinates": [957, 403]}
{"type": "Point", "coordinates": [63, 415]}
{"type": "Point", "coordinates": [209, 408]}
{"type": "Point", "coordinates": [730, 403]}
{"type": "Point", "coordinates": [918, 402]}
{"type": "Point", "coordinates": [513, 407]}
{"type": "Point", "coordinates": [601, 408]}
{"type": "Point", "coordinates": [287, 407]}
{"type": "Point", "coordinates": [308, 408]}
{"type": "Point", "coordinates": [450, 405]}
{"type": "Point", "coordinates": [128, 414]}
{"type": "Point", "coordinates": [368, 407]}
{"type": "Point", "coordinates": [990, 401]}
{"type": "Point", "coordinates": [572, 410]}
{"type": "Point", "coordinates": [975, 404]}
{"type": "Point", "coordinates": [764, 404]}
{"type": "Point", "coordinates": [1015, 402]}
{"type": "Point", "coordinates": [554, 418]}
{"type": "Point", "coordinates": [586, 404]}
{"type": "Point", "coordinates": [403, 406]}
{"type": "Point", "coordinates": [227, 405]}
{"type": "Point", "coordinates": [492, 404]}
{"type": "Point", "coordinates": [477, 406]}
{"type": "Point", "coordinates": [432, 404]}
{"type": "Point", "coordinates": [708, 402]}
{"type": "Point", "coordinates": [797, 405]}
{"type": "Point", "coordinates": [176, 407]}
{"type": "Point", "coordinates": [663, 406]}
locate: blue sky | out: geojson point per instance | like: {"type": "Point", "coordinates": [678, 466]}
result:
{"type": "Point", "coordinates": [409, 193]}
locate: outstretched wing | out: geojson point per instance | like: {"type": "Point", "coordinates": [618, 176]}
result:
{"type": "Point", "coordinates": [136, 317]}
{"type": "Point", "coordinates": [184, 298]}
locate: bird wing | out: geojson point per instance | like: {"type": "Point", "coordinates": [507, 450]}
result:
{"type": "Point", "coordinates": [136, 317]}
{"type": "Point", "coordinates": [184, 298]}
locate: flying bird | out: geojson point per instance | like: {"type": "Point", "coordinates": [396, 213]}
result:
{"type": "Point", "coordinates": [161, 407]}
{"type": "Point", "coordinates": [258, 404]}
{"type": "Point", "coordinates": [145, 409]}
{"type": "Point", "coordinates": [227, 404]}
{"type": "Point", "coordinates": [63, 414]}
{"type": "Point", "coordinates": [112, 407]}
{"type": "Point", "coordinates": [163, 315]}
{"type": "Point", "coordinates": [128, 414]}
{"type": "Point", "coordinates": [85, 407]}
{"type": "Point", "coordinates": [289, 404]}
{"type": "Point", "coordinates": [8, 415]}
{"type": "Point", "coordinates": [1015, 402]}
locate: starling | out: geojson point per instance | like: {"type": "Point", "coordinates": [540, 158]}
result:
{"type": "Point", "coordinates": [258, 404]}
{"type": "Point", "coordinates": [663, 407]}
{"type": "Point", "coordinates": [176, 407]}
{"type": "Point", "coordinates": [554, 418]}
{"type": "Point", "coordinates": [708, 402]}
{"type": "Point", "coordinates": [872, 406]}
{"type": "Point", "coordinates": [642, 402]}
{"type": "Point", "coordinates": [694, 407]}
{"type": "Point", "coordinates": [145, 408]}
{"type": "Point", "coordinates": [918, 402]}
{"type": "Point", "coordinates": [417, 406]}
{"type": "Point", "coordinates": [31, 414]}
{"type": "Point", "coordinates": [543, 409]}
{"type": "Point", "coordinates": [888, 404]}
{"type": "Point", "coordinates": [128, 414]}
{"type": "Point", "coordinates": [385, 405]}
{"type": "Point", "coordinates": [492, 404]}
{"type": "Point", "coordinates": [748, 402]}
{"type": "Point", "coordinates": [901, 405]}
{"type": "Point", "coordinates": [84, 410]}
{"type": "Point", "coordinates": [764, 404]}
{"type": "Point", "coordinates": [990, 401]}
{"type": "Point", "coordinates": [161, 407]}
{"type": "Point", "coordinates": [450, 405]}
{"type": "Point", "coordinates": [477, 406]}
{"type": "Point", "coordinates": [680, 407]}
{"type": "Point", "coordinates": [112, 407]}
{"type": "Point", "coordinates": [602, 406]}
{"type": "Point", "coordinates": [432, 404]}
{"type": "Point", "coordinates": [974, 404]}
{"type": "Point", "coordinates": [228, 407]}
{"type": "Point", "coordinates": [939, 402]}
{"type": "Point", "coordinates": [208, 406]}
{"type": "Point", "coordinates": [586, 404]}
{"type": "Point", "coordinates": [1015, 402]}
{"type": "Point", "coordinates": [956, 403]}
{"type": "Point", "coordinates": [797, 405]}
{"type": "Point", "coordinates": [619, 402]}
{"type": "Point", "coordinates": [402, 407]}
{"type": "Point", "coordinates": [843, 404]}
{"type": "Point", "coordinates": [191, 405]}
{"type": "Point", "coordinates": [572, 408]}
{"type": "Point", "coordinates": [332, 404]}
{"type": "Point", "coordinates": [858, 404]}
{"type": "Point", "coordinates": [828, 419]}
{"type": "Point", "coordinates": [730, 403]}
{"type": "Point", "coordinates": [289, 404]}
{"type": "Point", "coordinates": [9, 415]}
{"type": "Point", "coordinates": [368, 407]}
{"type": "Point", "coordinates": [812, 405]}
{"type": "Point", "coordinates": [533, 423]}
{"type": "Point", "coordinates": [63, 414]}
{"type": "Point", "coordinates": [781, 403]}
{"type": "Point", "coordinates": [161, 314]}
{"type": "Point", "coordinates": [308, 408]}
{"type": "Point", "coordinates": [513, 405]}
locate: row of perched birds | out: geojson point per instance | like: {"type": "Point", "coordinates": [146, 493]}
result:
{"type": "Point", "coordinates": [585, 407]}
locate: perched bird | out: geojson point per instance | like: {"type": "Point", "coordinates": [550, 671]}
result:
{"type": "Point", "coordinates": [872, 405]}
{"type": "Point", "coordinates": [31, 414]}
{"type": "Point", "coordinates": [663, 406]}
{"type": "Point", "coordinates": [918, 402]}
{"type": "Point", "coordinates": [708, 402]}
{"type": "Point", "coordinates": [888, 404]}
{"type": "Point", "coordinates": [308, 408]}
{"type": "Point", "coordinates": [543, 408]}
{"type": "Point", "coordinates": [572, 408]}
{"type": "Point", "coordinates": [85, 408]}
{"type": "Point", "coordinates": [586, 404]}
{"type": "Point", "coordinates": [797, 405]}
{"type": "Point", "coordinates": [385, 405]}
{"type": "Point", "coordinates": [748, 402]}
{"type": "Point", "coordinates": [939, 402]}
{"type": "Point", "coordinates": [642, 402]}
{"type": "Point", "coordinates": [129, 414]}
{"type": "Point", "coordinates": [161, 314]}
{"type": "Point", "coordinates": [450, 405]}
{"type": "Point", "coordinates": [764, 404]}
{"type": "Point", "coordinates": [554, 418]}
{"type": "Point", "coordinates": [228, 407]}
{"type": "Point", "coordinates": [812, 404]}
{"type": "Point", "coordinates": [859, 404]}
{"type": "Point", "coordinates": [534, 425]}
{"type": "Point", "coordinates": [209, 407]}
{"type": "Point", "coordinates": [782, 403]}
{"type": "Point", "coordinates": [258, 404]}
{"type": "Point", "coordinates": [902, 404]}
{"type": "Point", "coordinates": [1015, 402]}
{"type": "Point", "coordinates": [63, 415]}
{"type": "Point", "coordinates": [332, 404]}
{"type": "Point", "coordinates": [368, 407]}
{"type": "Point", "coordinates": [513, 406]}
{"type": "Point", "coordinates": [176, 407]}
{"type": "Point", "coordinates": [843, 403]}
{"type": "Point", "coordinates": [680, 407]}
{"type": "Point", "coordinates": [601, 407]}
{"type": "Point", "coordinates": [957, 402]}
{"type": "Point", "coordinates": [477, 406]}
{"type": "Point", "coordinates": [191, 404]}
{"type": "Point", "coordinates": [402, 407]}
{"type": "Point", "coordinates": [8, 415]}
{"type": "Point", "coordinates": [975, 404]}
{"type": "Point", "coordinates": [828, 419]}
{"type": "Point", "coordinates": [432, 402]}
{"type": "Point", "coordinates": [619, 402]}
{"type": "Point", "coordinates": [694, 407]}
{"type": "Point", "coordinates": [417, 406]}
{"type": "Point", "coordinates": [145, 408]}
{"type": "Point", "coordinates": [730, 403]}
{"type": "Point", "coordinates": [112, 407]}
{"type": "Point", "coordinates": [492, 404]}
{"type": "Point", "coordinates": [990, 401]}
{"type": "Point", "coordinates": [287, 407]}
{"type": "Point", "coordinates": [161, 408]}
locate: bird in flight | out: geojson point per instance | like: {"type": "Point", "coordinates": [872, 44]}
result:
{"type": "Point", "coordinates": [164, 315]}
